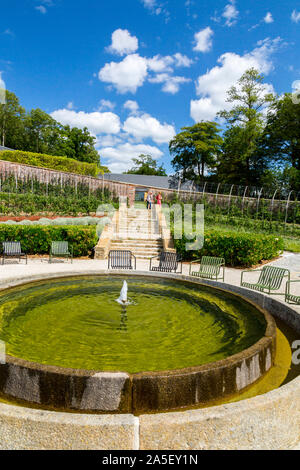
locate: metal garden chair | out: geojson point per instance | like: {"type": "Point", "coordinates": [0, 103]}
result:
{"type": "Point", "coordinates": [61, 250]}
{"type": "Point", "coordinates": [12, 250]}
{"type": "Point", "coordinates": [210, 268]}
{"type": "Point", "coordinates": [121, 259]}
{"type": "Point", "coordinates": [289, 297]}
{"type": "Point", "coordinates": [168, 262]}
{"type": "Point", "coordinates": [270, 279]}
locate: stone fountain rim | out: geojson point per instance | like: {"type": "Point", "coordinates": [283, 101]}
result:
{"type": "Point", "coordinates": [270, 331]}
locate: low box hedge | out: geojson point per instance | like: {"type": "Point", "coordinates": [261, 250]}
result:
{"type": "Point", "coordinates": [238, 249]}
{"type": "Point", "coordinates": [37, 239]}
{"type": "Point", "coordinates": [49, 161]}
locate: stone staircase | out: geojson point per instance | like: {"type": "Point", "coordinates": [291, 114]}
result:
{"type": "Point", "coordinates": [139, 232]}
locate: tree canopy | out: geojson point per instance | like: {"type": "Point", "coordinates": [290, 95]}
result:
{"type": "Point", "coordinates": [196, 149]}
{"type": "Point", "coordinates": [36, 131]}
{"type": "Point", "coordinates": [146, 165]}
{"type": "Point", "coordinates": [245, 124]}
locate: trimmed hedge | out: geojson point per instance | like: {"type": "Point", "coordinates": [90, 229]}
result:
{"type": "Point", "coordinates": [49, 161]}
{"type": "Point", "coordinates": [238, 249]}
{"type": "Point", "coordinates": [37, 239]}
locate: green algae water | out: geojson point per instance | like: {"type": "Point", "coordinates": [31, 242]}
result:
{"type": "Point", "coordinates": [77, 323]}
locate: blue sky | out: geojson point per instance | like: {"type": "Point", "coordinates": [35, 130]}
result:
{"type": "Point", "coordinates": [134, 72]}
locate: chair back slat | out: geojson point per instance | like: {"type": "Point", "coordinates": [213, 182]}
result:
{"type": "Point", "coordinates": [168, 261]}
{"type": "Point", "coordinates": [11, 248]}
{"type": "Point", "coordinates": [211, 266]}
{"type": "Point", "coordinates": [272, 277]}
{"type": "Point", "coordinates": [60, 248]}
{"type": "Point", "coordinates": [120, 259]}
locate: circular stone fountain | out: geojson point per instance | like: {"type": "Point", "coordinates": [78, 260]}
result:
{"type": "Point", "coordinates": [71, 346]}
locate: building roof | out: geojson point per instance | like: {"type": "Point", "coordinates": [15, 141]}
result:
{"type": "Point", "coordinates": [4, 148]}
{"type": "Point", "coordinates": [163, 182]}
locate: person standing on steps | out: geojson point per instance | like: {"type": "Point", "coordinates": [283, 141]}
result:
{"type": "Point", "coordinates": [149, 200]}
{"type": "Point", "coordinates": [158, 199]}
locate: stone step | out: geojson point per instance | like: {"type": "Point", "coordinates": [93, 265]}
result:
{"type": "Point", "coordinates": [137, 250]}
{"type": "Point", "coordinates": [138, 236]}
{"type": "Point", "coordinates": [137, 242]}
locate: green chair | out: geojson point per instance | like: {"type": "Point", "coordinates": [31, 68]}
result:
{"type": "Point", "coordinates": [61, 250]}
{"type": "Point", "coordinates": [291, 298]}
{"type": "Point", "coordinates": [270, 279]}
{"type": "Point", "coordinates": [210, 268]}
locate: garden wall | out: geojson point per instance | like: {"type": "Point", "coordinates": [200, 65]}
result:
{"type": "Point", "coordinates": [44, 175]}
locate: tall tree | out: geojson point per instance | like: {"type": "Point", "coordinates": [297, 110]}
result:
{"type": "Point", "coordinates": [11, 122]}
{"type": "Point", "coordinates": [81, 144]}
{"type": "Point", "coordinates": [245, 123]}
{"type": "Point", "coordinates": [281, 138]}
{"type": "Point", "coordinates": [39, 128]}
{"type": "Point", "coordinates": [195, 150]}
{"type": "Point", "coordinates": [146, 165]}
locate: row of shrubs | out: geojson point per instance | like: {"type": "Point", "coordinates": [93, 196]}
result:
{"type": "Point", "coordinates": [37, 239]}
{"type": "Point", "coordinates": [238, 249]}
{"type": "Point", "coordinates": [57, 221]}
{"type": "Point", "coordinates": [49, 161]}
{"type": "Point", "coordinates": [32, 204]}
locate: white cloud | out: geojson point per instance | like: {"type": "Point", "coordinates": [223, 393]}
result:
{"type": "Point", "coordinates": [160, 63]}
{"type": "Point", "coordinates": [132, 106]}
{"type": "Point", "coordinates": [149, 3]}
{"type": "Point", "coordinates": [97, 123]}
{"type": "Point", "coordinates": [125, 76]}
{"type": "Point", "coordinates": [70, 105]}
{"type": "Point", "coordinates": [41, 9]}
{"type": "Point", "coordinates": [182, 60]}
{"type": "Point", "coordinates": [123, 43]}
{"type": "Point", "coordinates": [156, 8]}
{"type": "Point", "coordinates": [269, 18]}
{"type": "Point", "coordinates": [131, 73]}
{"type": "Point", "coordinates": [295, 16]}
{"type": "Point", "coordinates": [106, 104]}
{"type": "Point", "coordinates": [203, 40]}
{"type": "Point", "coordinates": [119, 158]}
{"type": "Point", "coordinates": [171, 84]}
{"type": "Point", "coordinates": [230, 13]}
{"type": "Point", "coordinates": [212, 87]}
{"type": "Point", "coordinates": [146, 126]}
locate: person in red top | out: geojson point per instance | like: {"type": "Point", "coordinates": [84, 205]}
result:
{"type": "Point", "coordinates": [158, 199]}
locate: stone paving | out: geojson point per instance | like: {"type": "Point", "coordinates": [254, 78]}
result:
{"type": "Point", "coordinates": [12, 270]}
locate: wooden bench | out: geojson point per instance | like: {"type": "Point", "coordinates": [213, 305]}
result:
{"type": "Point", "coordinates": [168, 262]}
{"type": "Point", "coordinates": [210, 268]}
{"type": "Point", "coordinates": [270, 279]}
{"type": "Point", "coordinates": [121, 259]}
{"type": "Point", "coordinates": [12, 250]}
{"type": "Point", "coordinates": [289, 297]}
{"type": "Point", "coordinates": [61, 250]}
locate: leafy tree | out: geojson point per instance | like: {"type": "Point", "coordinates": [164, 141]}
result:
{"type": "Point", "coordinates": [281, 138]}
{"type": "Point", "coordinates": [36, 131]}
{"type": "Point", "coordinates": [195, 150]}
{"type": "Point", "coordinates": [41, 130]}
{"type": "Point", "coordinates": [245, 123]}
{"type": "Point", "coordinates": [146, 165]}
{"type": "Point", "coordinates": [81, 144]}
{"type": "Point", "coordinates": [11, 122]}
